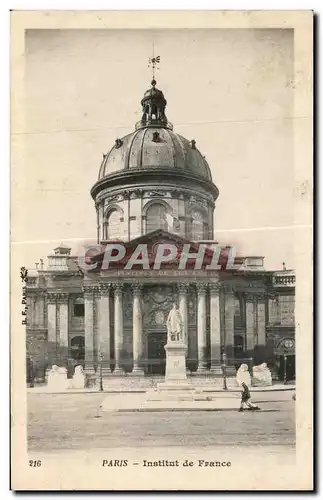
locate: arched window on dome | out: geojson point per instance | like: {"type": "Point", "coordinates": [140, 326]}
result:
{"type": "Point", "coordinates": [156, 217]}
{"type": "Point", "coordinates": [113, 225]}
{"type": "Point", "coordinates": [198, 225]}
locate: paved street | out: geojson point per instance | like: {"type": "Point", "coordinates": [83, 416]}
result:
{"type": "Point", "coordinates": [74, 422]}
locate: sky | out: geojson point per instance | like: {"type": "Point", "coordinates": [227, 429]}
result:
{"type": "Point", "coordinates": [230, 90]}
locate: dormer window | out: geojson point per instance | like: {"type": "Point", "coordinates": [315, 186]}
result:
{"type": "Point", "coordinates": [156, 137]}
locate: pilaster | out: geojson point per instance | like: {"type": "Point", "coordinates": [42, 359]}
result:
{"type": "Point", "coordinates": [250, 321]}
{"type": "Point", "coordinates": [182, 295]}
{"type": "Point", "coordinates": [89, 291]}
{"type": "Point", "coordinates": [229, 321]}
{"type": "Point", "coordinates": [51, 329]}
{"type": "Point", "coordinates": [137, 329]}
{"type": "Point", "coordinates": [62, 302]}
{"type": "Point", "coordinates": [104, 333]}
{"type": "Point", "coordinates": [215, 332]}
{"type": "Point", "coordinates": [118, 327]}
{"type": "Point", "coordinates": [261, 319]}
{"type": "Point", "coordinates": [229, 328]}
{"type": "Point", "coordinates": [201, 327]}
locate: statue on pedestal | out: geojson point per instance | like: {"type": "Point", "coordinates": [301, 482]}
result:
{"type": "Point", "coordinates": [174, 326]}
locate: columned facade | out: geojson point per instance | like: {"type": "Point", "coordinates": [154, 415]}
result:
{"type": "Point", "coordinates": [110, 326]}
{"type": "Point", "coordinates": [121, 325]}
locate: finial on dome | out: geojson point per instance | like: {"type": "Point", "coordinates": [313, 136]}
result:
{"type": "Point", "coordinates": [153, 82]}
{"type": "Point", "coordinates": [153, 61]}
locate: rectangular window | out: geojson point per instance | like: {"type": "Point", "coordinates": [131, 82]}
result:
{"type": "Point", "coordinates": [79, 310]}
{"type": "Point", "coordinates": [237, 313]}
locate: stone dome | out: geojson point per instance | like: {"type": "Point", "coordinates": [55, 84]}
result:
{"type": "Point", "coordinates": [154, 179]}
{"type": "Point", "coordinates": [155, 147]}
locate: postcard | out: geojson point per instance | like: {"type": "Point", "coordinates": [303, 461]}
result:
{"type": "Point", "coordinates": [161, 250]}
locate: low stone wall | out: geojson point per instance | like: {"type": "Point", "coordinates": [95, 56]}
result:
{"type": "Point", "coordinates": [132, 382]}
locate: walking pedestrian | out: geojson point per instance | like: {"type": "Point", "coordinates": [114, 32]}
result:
{"type": "Point", "coordinates": [245, 399]}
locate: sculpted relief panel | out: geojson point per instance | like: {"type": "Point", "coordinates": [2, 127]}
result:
{"type": "Point", "coordinates": [157, 302]}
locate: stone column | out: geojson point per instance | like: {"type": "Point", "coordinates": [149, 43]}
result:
{"type": "Point", "coordinates": [41, 310]}
{"type": "Point", "coordinates": [201, 327]}
{"type": "Point", "coordinates": [34, 321]}
{"type": "Point", "coordinates": [137, 329]}
{"type": "Point", "coordinates": [100, 221]}
{"type": "Point", "coordinates": [118, 327]}
{"type": "Point", "coordinates": [89, 329]}
{"type": "Point", "coordinates": [215, 332]}
{"type": "Point", "coordinates": [261, 319]}
{"type": "Point", "coordinates": [182, 295]}
{"type": "Point", "coordinates": [229, 321]}
{"type": "Point", "coordinates": [250, 322]}
{"type": "Point", "coordinates": [104, 333]}
{"type": "Point", "coordinates": [63, 327]}
{"type": "Point", "coordinates": [229, 329]}
{"type": "Point", "coordinates": [51, 329]}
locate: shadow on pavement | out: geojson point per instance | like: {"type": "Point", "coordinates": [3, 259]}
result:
{"type": "Point", "coordinates": [269, 401]}
{"type": "Point", "coordinates": [266, 411]}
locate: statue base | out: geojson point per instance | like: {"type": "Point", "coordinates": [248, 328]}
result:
{"type": "Point", "coordinates": [175, 361]}
{"type": "Point", "coordinates": [176, 386]}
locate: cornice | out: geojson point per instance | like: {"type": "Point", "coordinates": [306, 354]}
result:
{"type": "Point", "coordinates": [143, 176]}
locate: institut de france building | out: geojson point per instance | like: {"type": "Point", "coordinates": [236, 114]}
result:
{"type": "Point", "coordinates": [155, 186]}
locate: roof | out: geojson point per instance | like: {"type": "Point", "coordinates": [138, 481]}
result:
{"type": "Point", "coordinates": [156, 148]}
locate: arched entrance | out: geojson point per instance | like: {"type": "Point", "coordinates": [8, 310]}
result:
{"type": "Point", "coordinates": [285, 360]}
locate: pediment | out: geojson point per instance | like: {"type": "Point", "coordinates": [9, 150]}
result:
{"type": "Point", "coordinates": [158, 236]}
{"type": "Point", "coordinates": [147, 247]}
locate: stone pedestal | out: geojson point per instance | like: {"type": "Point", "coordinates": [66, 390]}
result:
{"type": "Point", "coordinates": [175, 362]}
{"type": "Point", "coordinates": [176, 386]}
